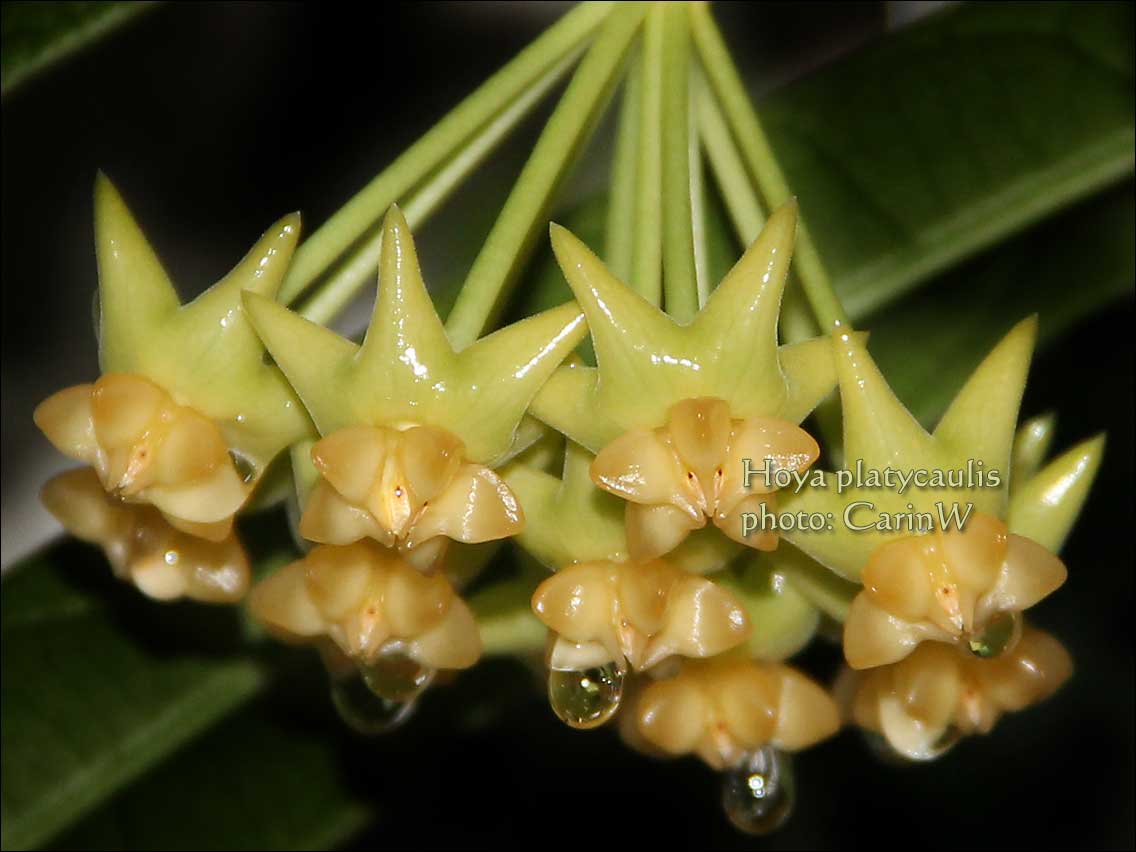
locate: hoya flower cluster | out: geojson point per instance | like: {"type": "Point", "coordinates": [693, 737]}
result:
{"type": "Point", "coordinates": [633, 485]}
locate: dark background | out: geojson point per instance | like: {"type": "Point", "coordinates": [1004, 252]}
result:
{"type": "Point", "coordinates": [289, 108]}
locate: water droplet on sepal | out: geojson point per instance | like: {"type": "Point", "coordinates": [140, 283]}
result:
{"type": "Point", "coordinates": [758, 795]}
{"type": "Point", "coordinates": [586, 698]}
{"type": "Point", "coordinates": [1000, 635]}
{"type": "Point", "coordinates": [365, 712]}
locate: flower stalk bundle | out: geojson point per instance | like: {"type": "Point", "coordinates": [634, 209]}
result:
{"type": "Point", "coordinates": [630, 482]}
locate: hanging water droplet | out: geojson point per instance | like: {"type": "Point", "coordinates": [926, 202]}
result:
{"type": "Point", "coordinates": [586, 698]}
{"type": "Point", "coordinates": [758, 796]}
{"type": "Point", "coordinates": [363, 711]}
{"type": "Point", "coordinates": [97, 314]}
{"type": "Point", "coordinates": [1000, 635]}
{"type": "Point", "coordinates": [396, 677]}
{"type": "Point", "coordinates": [246, 470]}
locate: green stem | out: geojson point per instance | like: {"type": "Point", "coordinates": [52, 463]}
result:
{"type": "Point", "coordinates": [339, 233]}
{"type": "Point", "coordinates": [680, 282]}
{"type": "Point", "coordinates": [359, 265]}
{"type": "Point", "coordinates": [726, 164]}
{"type": "Point", "coordinates": [515, 231]}
{"type": "Point", "coordinates": [647, 260]}
{"type": "Point", "coordinates": [742, 204]}
{"type": "Point", "coordinates": [698, 213]}
{"type": "Point", "coordinates": [760, 161]}
{"type": "Point", "coordinates": [619, 241]}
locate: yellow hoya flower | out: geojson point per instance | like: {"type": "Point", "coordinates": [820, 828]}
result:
{"type": "Point", "coordinates": [673, 410]}
{"type": "Point", "coordinates": [186, 416]}
{"type": "Point", "coordinates": [727, 708]}
{"type": "Point", "coordinates": [162, 561]}
{"type": "Point", "coordinates": [924, 703]}
{"type": "Point", "coordinates": [953, 562]}
{"type": "Point", "coordinates": [409, 489]}
{"type": "Point", "coordinates": [577, 530]}
{"type": "Point", "coordinates": [695, 468]}
{"type": "Point", "coordinates": [411, 428]}
{"type": "Point", "coordinates": [379, 610]}
{"type": "Point", "coordinates": [607, 613]}
{"type": "Point", "coordinates": [636, 614]}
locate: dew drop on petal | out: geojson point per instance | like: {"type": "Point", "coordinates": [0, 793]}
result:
{"type": "Point", "coordinates": [365, 712]}
{"type": "Point", "coordinates": [396, 677]}
{"type": "Point", "coordinates": [758, 795]}
{"type": "Point", "coordinates": [586, 698]}
{"type": "Point", "coordinates": [1000, 635]}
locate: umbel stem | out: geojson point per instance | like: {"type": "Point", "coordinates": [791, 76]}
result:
{"type": "Point", "coordinates": [674, 111]}
{"type": "Point", "coordinates": [323, 248]}
{"type": "Point", "coordinates": [516, 229]}
{"type": "Point", "coordinates": [759, 159]}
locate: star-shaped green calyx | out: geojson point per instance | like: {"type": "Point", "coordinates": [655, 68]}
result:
{"type": "Point", "coordinates": [205, 353]}
{"type": "Point", "coordinates": [977, 431]}
{"type": "Point", "coordinates": [406, 371]}
{"type": "Point", "coordinates": [646, 362]}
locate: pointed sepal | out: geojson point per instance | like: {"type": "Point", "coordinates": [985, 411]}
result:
{"type": "Point", "coordinates": [647, 362]}
{"type": "Point", "coordinates": [406, 372]}
{"type": "Point", "coordinates": [204, 353]}
{"type": "Point", "coordinates": [1045, 507]}
{"type": "Point", "coordinates": [135, 293]}
{"type": "Point", "coordinates": [981, 420]}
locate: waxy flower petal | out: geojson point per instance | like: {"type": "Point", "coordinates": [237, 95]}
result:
{"type": "Point", "coordinates": [145, 448]}
{"type": "Point", "coordinates": [370, 603]}
{"type": "Point", "coordinates": [406, 489]}
{"type": "Point", "coordinates": [923, 703]}
{"type": "Point", "coordinates": [163, 562]}
{"type": "Point", "coordinates": [724, 709]}
{"type": "Point", "coordinates": [945, 586]}
{"type": "Point", "coordinates": [640, 614]}
{"type": "Point", "coordinates": [693, 469]}
{"type": "Point", "coordinates": [569, 520]}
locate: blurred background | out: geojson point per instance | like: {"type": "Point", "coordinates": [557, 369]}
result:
{"type": "Point", "coordinates": [215, 119]}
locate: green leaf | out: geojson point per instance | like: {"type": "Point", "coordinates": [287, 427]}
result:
{"type": "Point", "coordinates": [37, 34]}
{"type": "Point", "coordinates": [252, 783]}
{"type": "Point", "coordinates": [1063, 270]}
{"type": "Point", "coordinates": [100, 686]}
{"type": "Point", "coordinates": [934, 144]}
